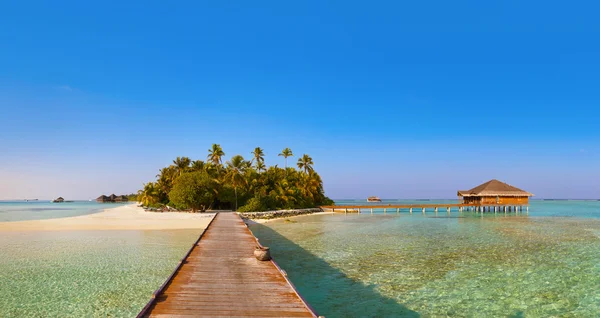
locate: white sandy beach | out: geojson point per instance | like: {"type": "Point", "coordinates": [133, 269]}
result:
{"type": "Point", "coordinates": [128, 217]}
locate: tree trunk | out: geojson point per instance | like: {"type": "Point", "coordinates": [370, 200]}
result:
{"type": "Point", "coordinates": [235, 191]}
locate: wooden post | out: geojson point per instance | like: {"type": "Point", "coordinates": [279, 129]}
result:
{"type": "Point", "coordinates": [410, 210]}
{"type": "Point", "coordinates": [346, 210]}
{"type": "Point", "coordinates": [423, 210]}
{"type": "Point", "coordinates": [397, 210]}
{"type": "Point", "coordinates": [384, 210]}
{"type": "Point", "coordinates": [371, 210]}
{"type": "Point", "coordinates": [435, 209]}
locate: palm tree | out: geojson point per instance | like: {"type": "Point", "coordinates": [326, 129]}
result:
{"type": "Point", "coordinates": [259, 155]}
{"type": "Point", "coordinates": [215, 153]}
{"type": "Point", "coordinates": [236, 167]}
{"type": "Point", "coordinates": [260, 166]}
{"type": "Point", "coordinates": [197, 165]}
{"type": "Point", "coordinates": [149, 195]}
{"type": "Point", "coordinates": [287, 152]}
{"type": "Point", "coordinates": [306, 163]}
{"type": "Point", "coordinates": [182, 164]}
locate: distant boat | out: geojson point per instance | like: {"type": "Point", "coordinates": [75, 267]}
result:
{"type": "Point", "coordinates": [373, 199]}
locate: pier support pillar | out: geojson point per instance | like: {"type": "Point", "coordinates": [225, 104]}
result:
{"type": "Point", "coordinates": [371, 210]}
{"type": "Point", "coordinates": [384, 210]}
{"type": "Point", "coordinates": [423, 210]}
{"type": "Point", "coordinates": [410, 210]}
{"type": "Point", "coordinates": [435, 209]}
{"type": "Point", "coordinates": [397, 210]}
{"type": "Point", "coordinates": [346, 210]}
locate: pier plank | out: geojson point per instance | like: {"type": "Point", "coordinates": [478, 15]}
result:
{"type": "Point", "coordinates": [220, 277]}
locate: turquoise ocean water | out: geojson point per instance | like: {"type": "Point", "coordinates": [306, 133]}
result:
{"type": "Point", "coordinates": [545, 264]}
{"type": "Point", "coordinates": [81, 273]}
{"type": "Point", "coordinates": [393, 265]}
{"type": "Point", "coordinates": [39, 210]}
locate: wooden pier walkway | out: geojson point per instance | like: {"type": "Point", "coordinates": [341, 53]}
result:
{"type": "Point", "coordinates": [220, 277]}
{"type": "Point", "coordinates": [460, 207]}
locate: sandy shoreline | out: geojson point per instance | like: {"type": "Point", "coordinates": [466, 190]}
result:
{"type": "Point", "coordinates": [128, 217]}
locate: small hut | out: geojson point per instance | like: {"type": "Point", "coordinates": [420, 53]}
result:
{"type": "Point", "coordinates": [59, 200]}
{"type": "Point", "coordinates": [103, 199]}
{"type": "Point", "coordinates": [112, 197]}
{"type": "Point", "coordinates": [495, 192]}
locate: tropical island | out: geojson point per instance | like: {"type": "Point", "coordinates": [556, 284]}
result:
{"type": "Point", "coordinates": [238, 184]}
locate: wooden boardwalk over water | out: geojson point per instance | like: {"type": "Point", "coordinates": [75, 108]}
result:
{"type": "Point", "coordinates": [220, 277]}
{"type": "Point", "coordinates": [460, 207]}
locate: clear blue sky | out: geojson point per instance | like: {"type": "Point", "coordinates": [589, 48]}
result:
{"type": "Point", "coordinates": [397, 99]}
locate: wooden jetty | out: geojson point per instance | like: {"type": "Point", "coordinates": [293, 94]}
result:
{"type": "Point", "coordinates": [448, 207]}
{"type": "Point", "coordinates": [220, 277]}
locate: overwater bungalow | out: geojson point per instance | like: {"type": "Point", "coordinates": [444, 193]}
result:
{"type": "Point", "coordinates": [373, 199]}
{"type": "Point", "coordinates": [103, 198]}
{"type": "Point", "coordinates": [493, 193]}
{"type": "Point", "coordinates": [58, 200]}
{"type": "Point", "coordinates": [112, 198]}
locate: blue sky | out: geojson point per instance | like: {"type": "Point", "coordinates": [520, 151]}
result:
{"type": "Point", "coordinates": [400, 100]}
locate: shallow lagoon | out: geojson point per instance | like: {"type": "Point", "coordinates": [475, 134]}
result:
{"type": "Point", "coordinates": [458, 265]}
{"type": "Point", "coordinates": [86, 273]}
{"type": "Point", "coordinates": [40, 210]}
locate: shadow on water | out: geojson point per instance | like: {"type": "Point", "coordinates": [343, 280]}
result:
{"type": "Point", "coordinates": [329, 291]}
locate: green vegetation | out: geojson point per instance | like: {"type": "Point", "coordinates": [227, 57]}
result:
{"type": "Point", "coordinates": [250, 185]}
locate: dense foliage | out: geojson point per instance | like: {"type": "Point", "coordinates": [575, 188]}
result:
{"type": "Point", "coordinates": [249, 185]}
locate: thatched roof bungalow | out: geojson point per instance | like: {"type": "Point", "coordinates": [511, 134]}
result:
{"type": "Point", "coordinates": [58, 200]}
{"type": "Point", "coordinates": [495, 192]}
{"type": "Point", "coordinates": [103, 198]}
{"type": "Point", "coordinates": [112, 198]}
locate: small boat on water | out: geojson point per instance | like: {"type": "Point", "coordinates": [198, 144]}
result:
{"type": "Point", "coordinates": [373, 199]}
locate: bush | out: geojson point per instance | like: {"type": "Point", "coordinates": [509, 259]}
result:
{"type": "Point", "coordinates": [193, 190]}
{"type": "Point", "coordinates": [253, 205]}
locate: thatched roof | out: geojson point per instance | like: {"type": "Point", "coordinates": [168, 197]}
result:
{"type": "Point", "coordinates": [495, 188]}
{"type": "Point", "coordinates": [102, 197]}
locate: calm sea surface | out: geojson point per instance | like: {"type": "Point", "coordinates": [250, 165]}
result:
{"type": "Point", "coordinates": [39, 210]}
{"type": "Point", "coordinates": [546, 264]}
{"type": "Point", "coordinates": [82, 273]}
